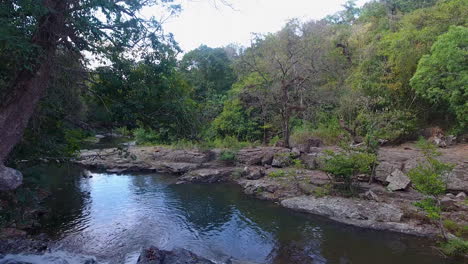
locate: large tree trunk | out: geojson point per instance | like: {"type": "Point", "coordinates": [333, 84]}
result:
{"type": "Point", "coordinates": [14, 117]}
{"type": "Point", "coordinates": [30, 85]}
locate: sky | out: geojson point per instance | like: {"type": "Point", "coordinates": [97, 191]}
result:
{"type": "Point", "coordinates": [215, 25]}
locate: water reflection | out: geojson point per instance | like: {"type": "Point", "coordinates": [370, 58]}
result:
{"type": "Point", "coordinates": [112, 216]}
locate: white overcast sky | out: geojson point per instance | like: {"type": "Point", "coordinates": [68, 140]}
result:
{"type": "Point", "coordinates": [202, 22]}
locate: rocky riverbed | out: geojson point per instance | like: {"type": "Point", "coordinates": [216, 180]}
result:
{"type": "Point", "coordinates": [265, 172]}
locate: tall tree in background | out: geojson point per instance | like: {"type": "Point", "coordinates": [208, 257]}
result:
{"type": "Point", "coordinates": [33, 31]}
{"type": "Point", "coordinates": [210, 73]}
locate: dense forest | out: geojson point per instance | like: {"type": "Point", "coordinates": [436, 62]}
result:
{"type": "Point", "coordinates": [358, 85]}
{"type": "Point", "coordinates": [386, 70]}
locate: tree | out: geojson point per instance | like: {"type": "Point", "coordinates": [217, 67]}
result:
{"type": "Point", "coordinates": [276, 59]}
{"type": "Point", "coordinates": [150, 93]}
{"type": "Point", "coordinates": [442, 76]}
{"type": "Point", "coordinates": [210, 73]}
{"type": "Point", "coordinates": [35, 30]}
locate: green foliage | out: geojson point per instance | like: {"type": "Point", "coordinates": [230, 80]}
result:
{"type": "Point", "coordinates": [455, 247]}
{"type": "Point", "coordinates": [456, 229]}
{"type": "Point", "coordinates": [345, 167]}
{"type": "Point", "coordinates": [234, 121]}
{"type": "Point", "coordinates": [73, 139]}
{"type": "Point", "coordinates": [392, 125]}
{"type": "Point", "coordinates": [329, 131]}
{"type": "Point", "coordinates": [431, 207]}
{"type": "Point", "coordinates": [430, 177]}
{"type": "Point", "coordinates": [228, 155]}
{"type": "Point", "coordinates": [442, 76]}
{"type": "Point", "coordinates": [323, 191]}
{"type": "Point", "coordinates": [124, 131]}
{"type": "Point", "coordinates": [230, 142]}
{"type": "Point", "coordinates": [277, 174]}
{"type": "Point", "coordinates": [146, 136]}
{"type": "Point", "coordinates": [274, 140]}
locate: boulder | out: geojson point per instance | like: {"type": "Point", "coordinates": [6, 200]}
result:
{"type": "Point", "coordinates": [371, 196]}
{"type": "Point", "coordinates": [383, 171]}
{"type": "Point", "coordinates": [343, 209]}
{"type": "Point", "coordinates": [259, 156]}
{"type": "Point", "coordinates": [307, 188]}
{"type": "Point", "coordinates": [397, 181]}
{"type": "Point", "coordinates": [461, 196]}
{"type": "Point", "coordinates": [310, 160]}
{"type": "Point", "coordinates": [281, 160]}
{"type": "Point", "coordinates": [207, 175]}
{"type": "Point", "coordinates": [448, 204]}
{"type": "Point", "coordinates": [154, 255]}
{"type": "Point", "coordinates": [10, 179]}
{"type": "Point", "coordinates": [254, 173]}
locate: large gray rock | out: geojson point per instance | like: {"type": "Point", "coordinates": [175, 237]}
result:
{"type": "Point", "coordinates": [259, 156]}
{"type": "Point", "coordinates": [383, 170]}
{"type": "Point", "coordinates": [397, 181]}
{"type": "Point", "coordinates": [281, 160]}
{"type": "Point", "coordinates": [208, 175]}
{"type": "Point", "coordinates": [362, 213]}
{"type": "Point", "coordinates": [254, 172]}
{"type": "Point", "coordinates": [10, 179]}
{"type": "Point", "coordinates": [343, 208]}
{"type": "Point", "coordinates": [154, 255]}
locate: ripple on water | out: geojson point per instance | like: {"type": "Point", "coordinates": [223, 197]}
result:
{"type": "Point", "coordinates": [113, 216]}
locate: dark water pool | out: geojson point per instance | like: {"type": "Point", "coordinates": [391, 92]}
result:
{"type": "Point", "coordinates": [112, 217]}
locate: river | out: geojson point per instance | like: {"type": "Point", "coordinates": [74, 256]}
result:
{"type": "Point", "coordinates": [111, 217]}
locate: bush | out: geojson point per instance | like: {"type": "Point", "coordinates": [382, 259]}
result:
{"type": "Point", "coordinates": [329, 131]}
{"type": "Point", "coordinates": [430, 178]}
{"type": "Point", "coordinates": [230, 143]}
{"type": "Point", "coordinates": [228, 156]}
{"type": "Point", "coordinates": [124, 131]}
{"type": "Point", "coordinates": [73, 139]}
{"type": "Point", "coordinates": [455, 247]}
{"type": "Point", "coordinates": [277, 174]}
{"type": "Point", "coordinates": [146, 136]}
{"type": "Point", "coordinates": [185, 144]}
{"type": "Point", "coordinates": [391, 125]}
{"type": "Point", "coordinates": [456, 229]}
{"type": "Point", "coordinates": [345, 167]}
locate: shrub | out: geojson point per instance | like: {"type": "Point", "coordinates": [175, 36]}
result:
{"type": "Point", "coordinates": [185, 144]}
{"type": "Point", "coordinates": [230, 143]}
{"type": "Point", "coordinates": [277, 174]}
{"type": "Point", "coordinates": [228, 156]}
{"type": "Point", "coordinates": [329, 131]}
{"type": "Point", "coordinates": [73, 139]}
{"type": "Point", "coordinates": [391, 125]}
{"type": "Point", "coordinates": [146, 136]}
{"type": "Point", "coordinates": [456, 229]}
{"type": "Point", "coordinates": [124, 131]}
{"type": "Point", "coordinates": [274, 140]}
{"type": "Point", "coordinates": [345, 167]}
{"type": "Point", "coordinates": [430, 179]}
{"type": "Point", "coordinates": [455, 247]}
{"type": "Point", "coordinates": [323, 191]}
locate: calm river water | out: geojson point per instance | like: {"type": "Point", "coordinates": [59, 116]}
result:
{"type": "Point", "coordinates": [111, 217]}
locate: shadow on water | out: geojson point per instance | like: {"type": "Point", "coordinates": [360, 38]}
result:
{"type": "Point", "coordinates": [113, 216]}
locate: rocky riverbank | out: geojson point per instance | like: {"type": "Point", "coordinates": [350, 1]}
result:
{"type": "Point", "coordinates": [266, 173]}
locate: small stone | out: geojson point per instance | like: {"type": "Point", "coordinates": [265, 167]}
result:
{"type": "Point", "coordinates": [10, 179]}
{"type": "Point", "coordinates": [450, 195]}
{"type": "Point", "coordinates": [295, 152]}
{"type": "Point", "coordinates": [397, 181]}
{"type": "Point", "coordinates": [448, 203]}
{"type": "Point", "coordinates": [254, 173]}
{"type": "Point", "coordinates": [461, 196]}
{"type": "Point", "coordinates": [370, 195]}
